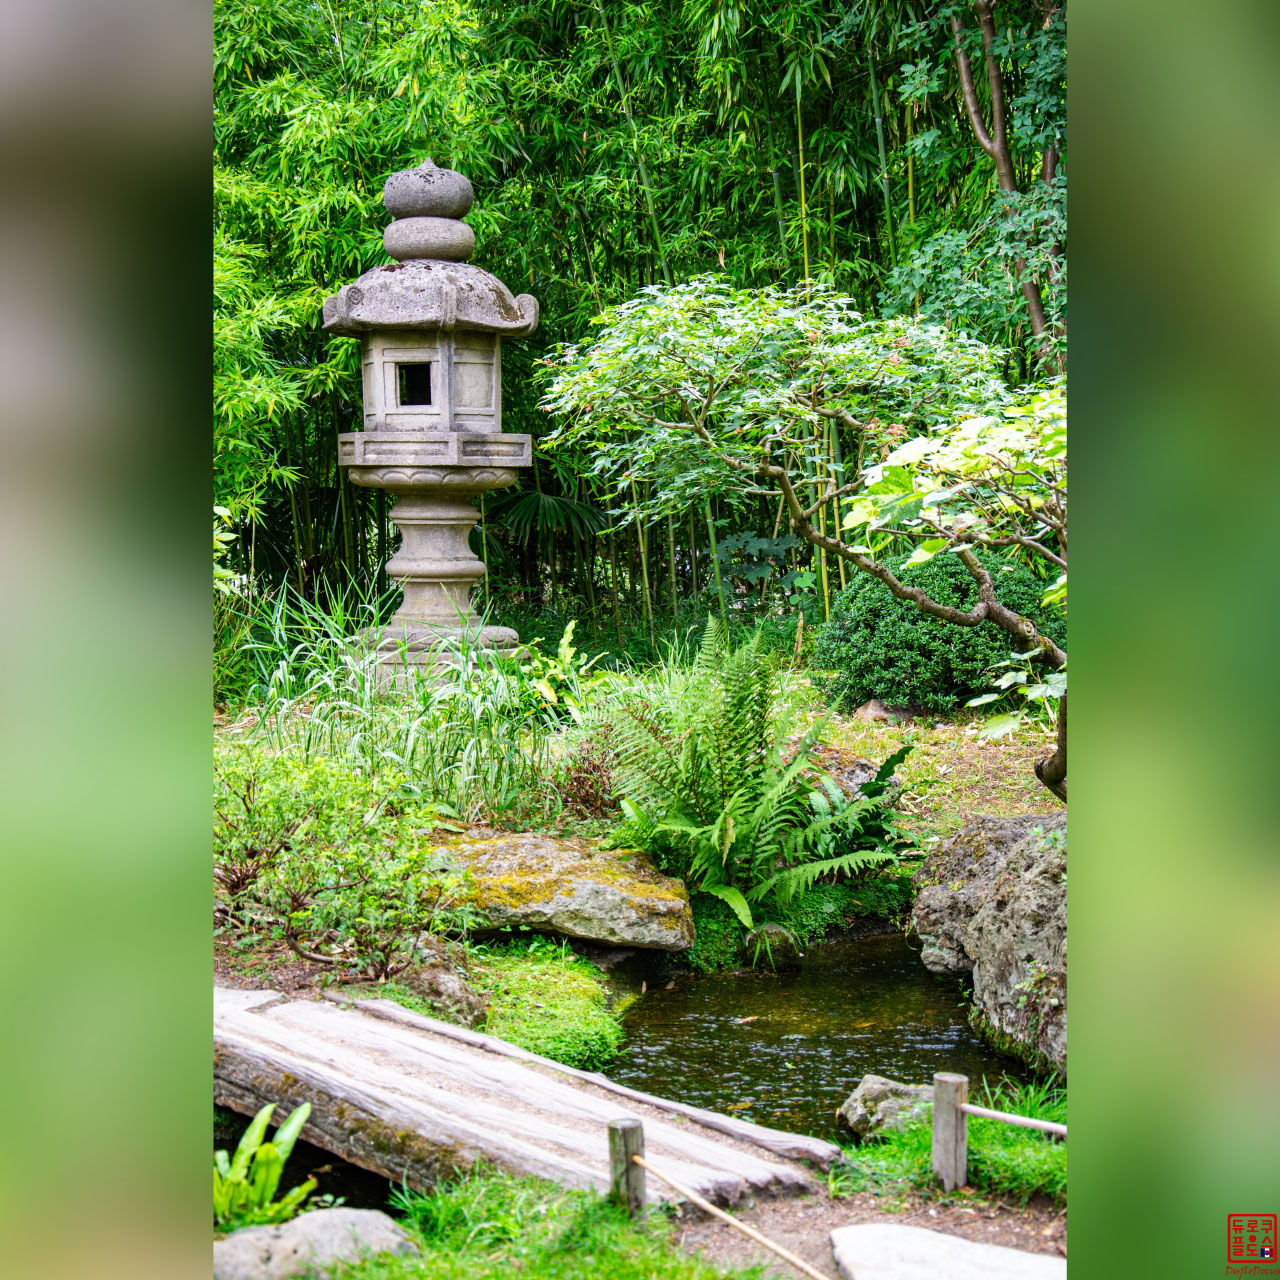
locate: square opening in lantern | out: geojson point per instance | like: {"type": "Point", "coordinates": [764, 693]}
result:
{"type": "Point", "coordinates": [414, 384]}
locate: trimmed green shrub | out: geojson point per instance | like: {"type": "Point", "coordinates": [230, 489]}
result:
{"type": "Point", "coordinates": [878, 647]}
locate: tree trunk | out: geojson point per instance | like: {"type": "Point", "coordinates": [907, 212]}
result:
{"type": "Point", "coordinates": [1052, 770]}
{"type": "Point", "coordinates": [994, 141]}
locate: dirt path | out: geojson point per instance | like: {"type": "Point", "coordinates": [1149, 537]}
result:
{"type": "Point", "coordinates": [804, 1226]}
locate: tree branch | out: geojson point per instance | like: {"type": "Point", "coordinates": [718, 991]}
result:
{"type": "Point", "coordinates": [970, 90]}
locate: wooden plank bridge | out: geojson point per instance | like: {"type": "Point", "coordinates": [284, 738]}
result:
{"type": "Point", "coordinates": [413, 1099]}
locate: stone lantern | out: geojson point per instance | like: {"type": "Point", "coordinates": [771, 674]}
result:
{"type": "Point", "coordinates": [431, 327]}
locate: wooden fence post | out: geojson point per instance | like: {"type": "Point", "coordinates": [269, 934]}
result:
{"type": "Point", "coordinates": [626, 1139]}
{"type": "Point", "coordinates": [950, 1129]}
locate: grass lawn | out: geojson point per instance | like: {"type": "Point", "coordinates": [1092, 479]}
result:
{"type": "Point", "coordinates": [490, 1226]}
{"type": "Point", "coordinates": [951, 775]}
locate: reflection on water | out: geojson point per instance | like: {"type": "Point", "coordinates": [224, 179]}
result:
{"type": "Point", "coordinates": [787, 1049]}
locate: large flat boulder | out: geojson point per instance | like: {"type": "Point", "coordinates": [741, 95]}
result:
{"type": "Point", "coordinates": [575, 888]}
{"type": "Point", "coordinates": [887, 1251]}
{"type": "Point", "coordinates": [993, 902]}
{"type": "Point", "coordinates": [310, 1245]}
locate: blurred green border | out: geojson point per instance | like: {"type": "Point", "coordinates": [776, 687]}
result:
{"type": "Point", "coordinates": [1174, 900]}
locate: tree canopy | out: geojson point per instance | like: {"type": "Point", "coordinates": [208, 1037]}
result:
{"type": "Point", "coordinates": [909, 156]}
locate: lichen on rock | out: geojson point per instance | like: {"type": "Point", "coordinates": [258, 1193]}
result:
{"type": "Point", "coordinates": [574, 888]}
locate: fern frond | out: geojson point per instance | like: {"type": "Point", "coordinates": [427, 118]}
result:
{"type": "Point", "coordinates": [786, 884]}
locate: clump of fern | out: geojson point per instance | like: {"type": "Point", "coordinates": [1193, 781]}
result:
{"type": "Point", "coordinates": [714, 789]}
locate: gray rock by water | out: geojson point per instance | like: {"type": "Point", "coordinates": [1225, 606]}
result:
{"type": "Point", "coordinates": [311, 1243]}
{"type": "Point", "coordinates": [887, 1251]}
{"type": "Point", "coordinates": [575, 888]}
{"type": "Point", "coordinates": [771, 945]}
{"type": "Point", "coordinates": [993, 901]}
{"type": "Point", "coordinates": [880, 1105]}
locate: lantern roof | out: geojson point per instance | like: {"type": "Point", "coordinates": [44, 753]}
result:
{"type": "Point", "coordinates": [432, 286]}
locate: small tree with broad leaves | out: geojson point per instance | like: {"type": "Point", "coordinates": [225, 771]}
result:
{"type": "Point", "coordinates": [865, 431]}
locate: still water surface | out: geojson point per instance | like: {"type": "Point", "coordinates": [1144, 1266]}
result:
{"type": "Point", "coordinates": [786, 1049]}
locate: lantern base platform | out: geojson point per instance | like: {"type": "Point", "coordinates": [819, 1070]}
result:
{"type": "Point", "coordinates": [407, 651]}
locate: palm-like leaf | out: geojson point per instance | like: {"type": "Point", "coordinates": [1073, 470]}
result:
{"type": "Point", "coordinates": [534, 514]}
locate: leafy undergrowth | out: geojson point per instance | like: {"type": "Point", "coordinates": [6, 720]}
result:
{"type": "Point", "coordinates": [1004, 1159]}
{"type": "Point", "coordinates": [823, 910]}
{"type": "Point", "coordinates": [547, 1000]}
{"type": "Point", "coordinates": [951, 774]}
{"type": "Point", "coordinates": [488, 1226]}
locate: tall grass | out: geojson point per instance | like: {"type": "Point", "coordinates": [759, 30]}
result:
{"type": "Point", "coordinates": [469, 736]}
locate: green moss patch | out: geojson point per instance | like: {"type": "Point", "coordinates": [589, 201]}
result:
{"type": "Point", "coordinates": [549, 1001]}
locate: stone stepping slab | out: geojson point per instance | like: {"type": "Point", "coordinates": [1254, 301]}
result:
{"type": "Point", "coordinates": [886, 1251]}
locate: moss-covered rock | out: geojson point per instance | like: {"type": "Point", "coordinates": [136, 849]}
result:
{"type": "Point", "coordinates": [574, 888]}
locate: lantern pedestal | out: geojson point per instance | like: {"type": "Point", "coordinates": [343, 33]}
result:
{"type": "Point", "coordinates": [435, 512]}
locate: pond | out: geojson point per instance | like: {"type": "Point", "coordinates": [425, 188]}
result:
{"type": "Point", "coordinates": [787, 1049]}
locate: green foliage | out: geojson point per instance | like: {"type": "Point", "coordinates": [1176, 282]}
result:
{"type": "Point", "coordinates": [245, 1185]}
{"type": "Point", "coordinates": [336, 863]}
{"type": "Point", "coordinates": [1040, 693]}
{"type": "Point", "coordinates": [564, 683]}
{"type": "Point", "coordinates": [549, 1001]}
{"type": "Point", "coordinates": [1004, 1159]}
{"type": "Point", "coordinates": [681, 382]}
{"type": "Point", "coordinates": [886, 893]}
{"type": "Point", "coordinates": [232, 666]}
{"type": "Point", "coordinates": [612, 146]}
{"type": "Point", "coordinates": [490, 1226]}
{"type": "Point", "coordinates": [878, 647]}
{"type": "Point", "coordinates": [995, 480]}
{"type": "Point", "coordinates": [716, 789]}
{"type": "Point", "coordinates": [718, 936]}
{"type": "Point", "coordinates": [823, 909]}
{"type": "Point", "coordinates": [964, 261]}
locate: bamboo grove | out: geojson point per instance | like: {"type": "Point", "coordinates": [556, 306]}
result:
{"type": "Point", "coordinates": [907, 156]}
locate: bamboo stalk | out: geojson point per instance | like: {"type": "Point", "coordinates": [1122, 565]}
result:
{"type": "Point", "coordinates": [837, 456]}
{"type": "Point", "coordinates": [642, 539]}
{"type": "Point", "coordinates": [715, 560]}
{"type": "Point", "coordinates": [635, 138]}
{"type": "Point", "coordinates": [884, 161]}
{"type": "Point", "coordinates": [707, 1207]}
{"type": "Point", "coordinates": [804, 219]}
{"type": "Point", "coordinates": [617, 586]}
{"type": "Point", "coordinates": [777, 524]}
{"type": "Point", "coordinates": [671, 552]}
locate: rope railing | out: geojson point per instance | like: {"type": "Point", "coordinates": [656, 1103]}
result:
{"type": "Point", "coordinates": [1025, 1122]}
{"type": "Point", "coordinates": [951, 1112]}
{"type": "Point", "coordinates": [628, 1166]}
